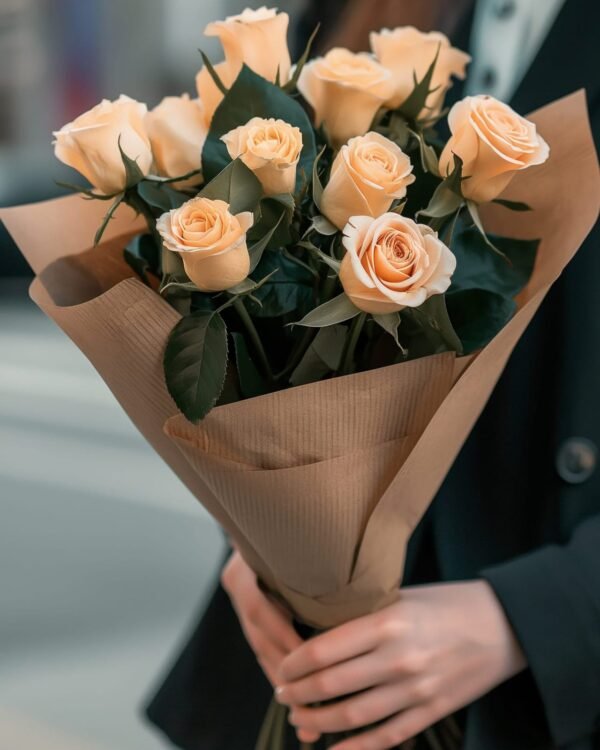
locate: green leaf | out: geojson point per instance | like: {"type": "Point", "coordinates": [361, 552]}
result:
{"type": "Point", "coordinates": [87, 191]}
{"type": "Point", "coordinates": [336, 310]}
{"type": "Point", "coordinates": [290, 86]}
{"type": "Point", "coordinates": [316, 180]}
{"type": "Point", "coordinates": [195, 363]}
{"type": "Point", "coordinates": [108, 216]}
{"type": "Point", "coordinates": [512, 205]}
{"type": "Point", "coordinates": [257, 249]}
{"type": "Point", "coordinates": [289, 287]}
{"type": "Point", "coordinates": [213, 73]}
{"type": "Point", "coordinates": [334, 264]}
{"type": "Point", "coordinates": [478, 315]}
{"type": "Point", "coordinates": [444, 202]}
{"type": "Point", "coordinates": [170, 180]}
{"type": "Point", "coordinates": [429, 157]}
{"type": "Point", "coordinates": [434, 314]}
{"type": "Point", "coordinates": [455, 179]}
{"type": "Point", "coordinates": [251, 381]}
{"type": "Point", "coordinates": [161, 197]}
{"type": "Point", "coordinates": [142, 255]}
{"type": "Point", "coordinates": [274, 212]}
{"type": "Point", "coordinates": [323, 356]}
{"type": "Point", "coordinates": [252, 96]}
{"type": "Point", "coordinates": [390, 323]}
{"type": "Point", "coordinates": [133, 173]}
{"type": "Point", "coordinates": [477, 268]}
{"type": "Point", "coordinates": [322, 225]}
{"type": "Point", "coordinates": [416, 102]}
{"type": "Point", "coordinates": [237, 185]}
{"type": "Point", "coordinates": [398, 130]}
{"type": "Point", "coordinates": [474, 213]}
{"type": "Point", "coordinates": [249, 286]}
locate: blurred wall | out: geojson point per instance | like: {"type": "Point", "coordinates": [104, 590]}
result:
{"type": "Point", "coordinates": [60, 57]}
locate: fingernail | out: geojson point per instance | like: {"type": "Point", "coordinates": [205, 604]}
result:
{"type": "Point", "coordinates": [279, 693]}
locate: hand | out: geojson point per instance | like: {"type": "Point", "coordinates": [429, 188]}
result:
{"type": "Point", "coordinates": [267, 627]}
{"type": "Point", "coordinates": [436, 650]}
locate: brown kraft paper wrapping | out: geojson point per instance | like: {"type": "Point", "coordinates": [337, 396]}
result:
{"type": "Point", "coordinates": [319, 486]}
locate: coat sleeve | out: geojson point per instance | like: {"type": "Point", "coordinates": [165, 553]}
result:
{"type": "Point", "coordinates": [552, 599]}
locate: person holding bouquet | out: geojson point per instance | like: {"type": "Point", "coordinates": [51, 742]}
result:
{"type": "Point", "coordinates": [498, 624]}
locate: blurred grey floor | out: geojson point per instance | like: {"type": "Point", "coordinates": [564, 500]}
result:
{"type": "Point", "coordinates": [104, 557]}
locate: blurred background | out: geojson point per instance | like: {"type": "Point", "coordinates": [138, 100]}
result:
{"type": "Point", "coordinates": [104, 556]}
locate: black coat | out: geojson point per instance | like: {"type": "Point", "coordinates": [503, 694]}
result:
{"type": "Point", "coordinates": [521, 508]}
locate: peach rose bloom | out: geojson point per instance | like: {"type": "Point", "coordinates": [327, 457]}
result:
{"type": "Point", "coordinates": [210, 240]}
{"type": "Point", "coordinates": [257, 38]}
{"type": "Point", "coordinates": [392, 262]}
{"type": "Point", "coordinates": [494, 143]}
{"type": "Point", "coordinates": [90, 144]}
{"type": "Point", "coordinates": [407, 52]}
{"type": "Point", "coordinates": [345, 91]}
{"type": "Point", "coordinates": [369, 172]}
{"type": "Point", "coordinates": [271, 149]}
{"type": "Point", "coordinates": [177, 133]}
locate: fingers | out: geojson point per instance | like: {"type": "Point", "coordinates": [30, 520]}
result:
{"type": "Point", "coordinates": [341, 679]}
{"type": "Point", "coordinates": [344, 642]}
{"type": "Point", "coordinates": [355, 712]}
{"type": "Point", "coordinates": [268, 655]}
{"type": "Point", "coordinates": [254, 609]}
{"type": "Point", "coordinates": [393, 732]}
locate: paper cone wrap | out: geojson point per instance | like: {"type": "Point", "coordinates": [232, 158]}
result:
{"type": "Point", "coordinates": [319, 486]}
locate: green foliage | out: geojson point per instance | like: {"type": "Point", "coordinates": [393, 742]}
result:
{"type": "Point", "coordinates": [417, 101]}
{"type": "Point", "coordinates": [478, 315]}
{"type": "Point", "coordinates": [133, 173]}
{"type": "Point", "coordinates": [478, 268]}
{"type": "Point", "coordinates": [235, 184]}
{"type": "Point", "coordinates": [160, 196]}
{"type": "Point", "coordinates": [390, 323]}
{"type": "Point", "coordinates": [273, 216]}
{"type": "Point", "coordinates": [290, 86]}
{"type": "Point", "coordinates": [251, 381]}
{"type": "Point", "coordinates": [336, 310]}
{"type": "Point", "coordinates": [253, 96]}
{"type": "Point", "coordinates": [143, 256]}
{"type": "Point", "coordinates": [288, 290]}
{"type": "Point", "coordinates": [322, 357]}
{"type": "Point", "coordinates": [195, 363]}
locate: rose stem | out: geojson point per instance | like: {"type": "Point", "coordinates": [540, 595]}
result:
{"type": "Point", "coordinates": [355, 331]}
{"type": "Point", "coordinates": [240, 308]}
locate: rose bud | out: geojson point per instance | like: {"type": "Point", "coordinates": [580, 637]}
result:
{"type": "Point", "coordinates": [90, 144]}
{"type": "Point", "coordinates": [257, 38]}
{"type": "Point", "coordinates": [494, 143]}
{"type": "Point", "coordinates": [177, 133]}
{"type": "Point", "coordinates": [392, 262]}
{"type": "Point", "coordinates": [345, 91]}
{"type": "Point", "coordinates": [369, 172]}
{"type": "Point", "coordinates": [408, 52]}
{"type": "Point", "coordinates": [271, 149]}
{"type": "Point", "coordinates": [210, 240]}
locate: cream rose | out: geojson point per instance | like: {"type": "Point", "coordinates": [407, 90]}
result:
{"type": "Point", "coordinates": [177, 133]}
{"type": "Point", "coordinates": [210, 240]}
{"type": "Point", "coordinates": [391, 262]}
{"type": "Point", "coordinates": [407, 52]}
{"type": "Point", "coordinates": [271, 149]}
{"type": "Point", "coordinates": [345, 91]}
{"type": "Point", "coordinates": [494, 143]}
{"type": "Point", "coordinates": [90, 144]}
{"type": "Point", "coordinates": [257, 38]}
{"type": "Point", "coordinates": [369, 172]}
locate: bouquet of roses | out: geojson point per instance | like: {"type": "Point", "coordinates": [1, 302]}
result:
{"type": "Point", "coordinates": [321, 289]}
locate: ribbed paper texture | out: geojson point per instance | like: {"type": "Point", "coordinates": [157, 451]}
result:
{"type": "Point", "coordinates": [320, 486]}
